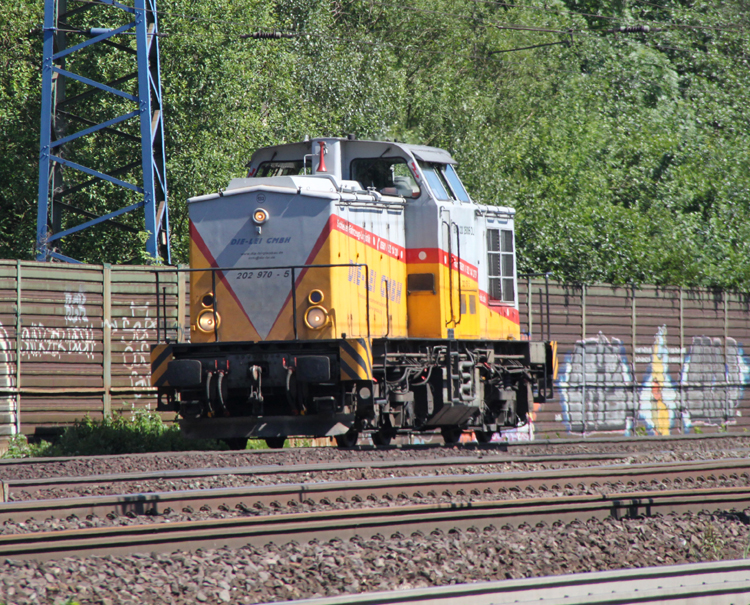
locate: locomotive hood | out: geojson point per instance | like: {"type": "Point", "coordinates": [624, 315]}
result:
{"type": "Point", "coordinates": [258, 233]}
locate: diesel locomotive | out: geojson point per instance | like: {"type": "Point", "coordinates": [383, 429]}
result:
{"type": "Point", "coordinates": [348, 287]}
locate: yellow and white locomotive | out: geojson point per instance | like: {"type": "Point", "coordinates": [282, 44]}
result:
{"type": "Point", "coordinates": [347, 287]}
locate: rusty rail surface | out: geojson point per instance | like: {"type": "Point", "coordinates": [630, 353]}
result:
{"type": "Point", "coordinates": [389, 489]}
{"type": "Point", "coordinates": [366, 522]}
{"type": "Point", "coordinates": [714, 583]}
{"type": "Point", "coordinates": [61, 482]}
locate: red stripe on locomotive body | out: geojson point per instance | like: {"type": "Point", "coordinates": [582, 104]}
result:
{"type": "Point", "coordinates": [368, 238]}
{"type": "Point", "coordinates": [324, 233]}
{"type": "Point", "coordinates": [503, 309]}
{"type": "Point", "coordinates": [437, 256]}
{"type": "Point", "coordinates": [196, 238]}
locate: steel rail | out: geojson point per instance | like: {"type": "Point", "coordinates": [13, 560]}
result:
{"type": "Point", "coordinates": [474, 483]}
{"type": "Point", "coordinates": [714, 583]}
{"type": "Point", "coordinates": [413, 465]}
{"type": "Point", "coordinates": [366, 522]}
{"type": "Point", "coordinates": [391, 488]}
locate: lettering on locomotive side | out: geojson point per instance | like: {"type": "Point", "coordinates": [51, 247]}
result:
{"type": "Point", "coordinates": [251, 241]}
{"type": "Point", "coordinates": [380, 244]}
{"type": "Point", "coordinates": [388, 287]}
{"type": "Point", "coordinates": [467, 269]}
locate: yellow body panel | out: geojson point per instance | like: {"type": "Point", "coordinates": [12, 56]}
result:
{"type": "Point", "coordinates": [233, 322]}
{"type": "Point", "coordinates": [345, 290]}
{"type": "Point", "coordinates": [430, 314]}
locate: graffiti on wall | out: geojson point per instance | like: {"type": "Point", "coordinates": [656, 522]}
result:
{"type": "Point", "coordinates": [76, 338]}
{"type": "Point", "coordinates": [703, 383]}
{"type": "Point", "coordinates": [8, 400]}
{"type": "Point", "coordinates": [137, 352]}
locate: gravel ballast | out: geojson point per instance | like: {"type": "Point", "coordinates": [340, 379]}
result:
{"type": "Point", "coordinates": [690, 449]}
{"type": "Point", "coordinates": [293, 571]}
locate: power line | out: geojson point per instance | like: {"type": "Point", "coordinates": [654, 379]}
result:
{"type": "Point", "coordinates": [474, 18]}
{"type": "Point", "coordinates": [510, 50]}
{"type": "Point", "coordinates": [545, 9]}
{"type": "Point", "coordinates": [501, 26]}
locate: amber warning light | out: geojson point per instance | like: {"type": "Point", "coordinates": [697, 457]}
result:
{"type": "Point", "coordinates": [260, 216]}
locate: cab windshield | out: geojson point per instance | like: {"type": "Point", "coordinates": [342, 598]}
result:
{"type": "Point", "coordinates": [292, 167]}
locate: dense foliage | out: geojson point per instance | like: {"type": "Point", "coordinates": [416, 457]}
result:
{"type": "Point", "coordinates": [137, 432]}
{"type": "Point", "coordinates": [624, 151]}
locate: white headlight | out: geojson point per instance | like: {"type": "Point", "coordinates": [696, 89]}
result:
{"type": "Point", "coordinates": [316, 317]}
{"type": "Point", "coordinates": [206, 321]}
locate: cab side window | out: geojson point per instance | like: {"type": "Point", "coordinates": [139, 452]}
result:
{"type": "Point", "coordinates": [444, 182]}
{"type": "Point", "coordinates": [501, 265]}
{"type": "Point", "coordinates": [389, 176]}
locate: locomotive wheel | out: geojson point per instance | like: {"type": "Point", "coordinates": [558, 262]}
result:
{"type": "Point", "coordinates": [236, 443]}
{"type": "Point", "coordinates": [451, 434]}
{"type": "Point", "coordinates": [382, 437]}
{"type": "Point", "coordinates": [348, 439]}
{"type": "Point", "coordinates": [275, 443]}
{"type": "Point", "coordinates": [483, 436]}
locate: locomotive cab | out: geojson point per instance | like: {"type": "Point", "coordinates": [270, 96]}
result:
{"type": "Point", "coordinates": [349, 286]}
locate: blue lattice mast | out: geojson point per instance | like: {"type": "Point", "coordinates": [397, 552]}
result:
{"type": "Point", "coordinates": [141, 21]}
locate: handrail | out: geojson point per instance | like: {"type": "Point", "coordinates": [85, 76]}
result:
{"type": "Point", "coordinates": [529, 301]}
{"type": "Point", "coordinates": [460, 292]}
{"type": "Point", "coordinates": [293, 269]}
{"type": "Point", "coordinates": [450, 272]}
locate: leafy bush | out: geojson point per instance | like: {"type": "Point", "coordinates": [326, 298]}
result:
{"type": "Point", "coordinates": [140, 431]}
{"type": "Point", "coordinates": [19, 447]}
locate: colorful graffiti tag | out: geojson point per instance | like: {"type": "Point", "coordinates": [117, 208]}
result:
{"type": "Point", "coordinates": [679, 389]}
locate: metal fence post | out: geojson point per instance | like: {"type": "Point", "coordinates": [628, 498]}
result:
{"type": "Point", "coordinates": [19, 327]}
{"type": "Point", "coordinates": [682, 359]}
{"type": "Point", "coordinates": [107, 338]}
{"type": "Point", "coordinates": [634, 327]}
{"type": "Point", "coordinates": [529, 308]}
{"type": "Point", "coordinates": [725, 296]}
{"type": "Point", "coordinates": [584, 403]}
{"type": "Point", "coordinates": [182, 328]}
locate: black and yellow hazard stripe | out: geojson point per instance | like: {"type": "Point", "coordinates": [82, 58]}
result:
{"type": "Point", "coordinates": [355, 355]}
{"type": "Point", "coordinates": [555, 363]}
{"type": "Point", "coordinates": [161, 355]}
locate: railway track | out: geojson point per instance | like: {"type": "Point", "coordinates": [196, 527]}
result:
{"type": "Point", "coordinates": [12, 487]}
{"type": "Point", "coordinates": [715, 583]}
{"type": "Point", "coordinates": [366, 522]}
{"type": "Point", "coordinates": [455, 493]}
{"type": "Point", "coordinates": [613, 446]}
{"type": "Point", "coordinates": [384, 491]}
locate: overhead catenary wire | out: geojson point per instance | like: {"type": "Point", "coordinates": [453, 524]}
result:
{"type": "Point", "coordinates": [569, 33]}
{"type": "Point", "coordinates": [502, 26]}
